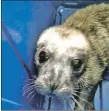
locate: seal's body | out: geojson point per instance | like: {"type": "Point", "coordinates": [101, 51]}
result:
{"type": "Point", "coordinates": [93, 21]}
{"type": "Point", "coordinates": [71, 58]}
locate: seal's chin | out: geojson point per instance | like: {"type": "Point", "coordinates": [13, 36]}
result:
{"type": "Point", "coordinates": [65, 103]}
{"type": "Point", "coordinates": [59, 94]}
{"type": "Point", "coordinates": [51, 95]}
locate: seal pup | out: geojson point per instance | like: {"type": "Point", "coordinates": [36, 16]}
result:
{"type": "Point", "coordinates": [71, 58]}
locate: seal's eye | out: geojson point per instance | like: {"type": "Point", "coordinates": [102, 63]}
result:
{"type": "Point", "coordinates": [43, 57]}
{"type": "Point", "coordinates": [76, 64]}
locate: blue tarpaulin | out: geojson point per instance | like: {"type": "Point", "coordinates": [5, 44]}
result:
{"type": "Point", "coordinates": [25, 20]}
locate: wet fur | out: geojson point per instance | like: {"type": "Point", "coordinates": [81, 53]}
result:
{"type": "Point", "coordinates": [93, 21]}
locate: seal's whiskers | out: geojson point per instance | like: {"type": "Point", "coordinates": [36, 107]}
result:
{"type": "Point", "coordinates": [82, 98]}
{"type": "Point", "coordinates": [80, 92]}
{"type": "Point", "coordinates": [32, 92]}
{"type": "Point", "coordinates": [25, 86]}
{"type": "Point", "coordinates": [77, 103]}
{"type": "Point", "coordinates": [28, 89]}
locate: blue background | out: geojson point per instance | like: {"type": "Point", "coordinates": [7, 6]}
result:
{"type": "Point", "coordinates": [25, 21]}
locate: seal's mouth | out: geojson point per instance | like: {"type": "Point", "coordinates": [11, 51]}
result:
{"type": "Point", "coordinates": [64, 95]}
{"type": "Point", "coordinates": [51, 95]}
{"type": "Point", "coordinates": [72, 104]}
{"type": "Point", "coordinates": [68, 103]}
{"type": "Point", "coordinates": [61, 93]}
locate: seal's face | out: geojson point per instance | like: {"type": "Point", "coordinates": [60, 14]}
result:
{"type": "Point", "coordinates": [60, 60]}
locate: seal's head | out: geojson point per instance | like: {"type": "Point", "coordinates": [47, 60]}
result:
{"type": "Point", "coordinates": [61, 60]}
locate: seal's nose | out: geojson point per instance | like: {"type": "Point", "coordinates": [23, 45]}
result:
{"type": "Point", "coordinates": [53, 86]}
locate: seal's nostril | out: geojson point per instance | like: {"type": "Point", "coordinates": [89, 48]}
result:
{"type": "Point", "coordinates": [53, 87]}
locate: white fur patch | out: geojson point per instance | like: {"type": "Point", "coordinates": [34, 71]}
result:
{"type": "Point", "coordinates": [53, 40]}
